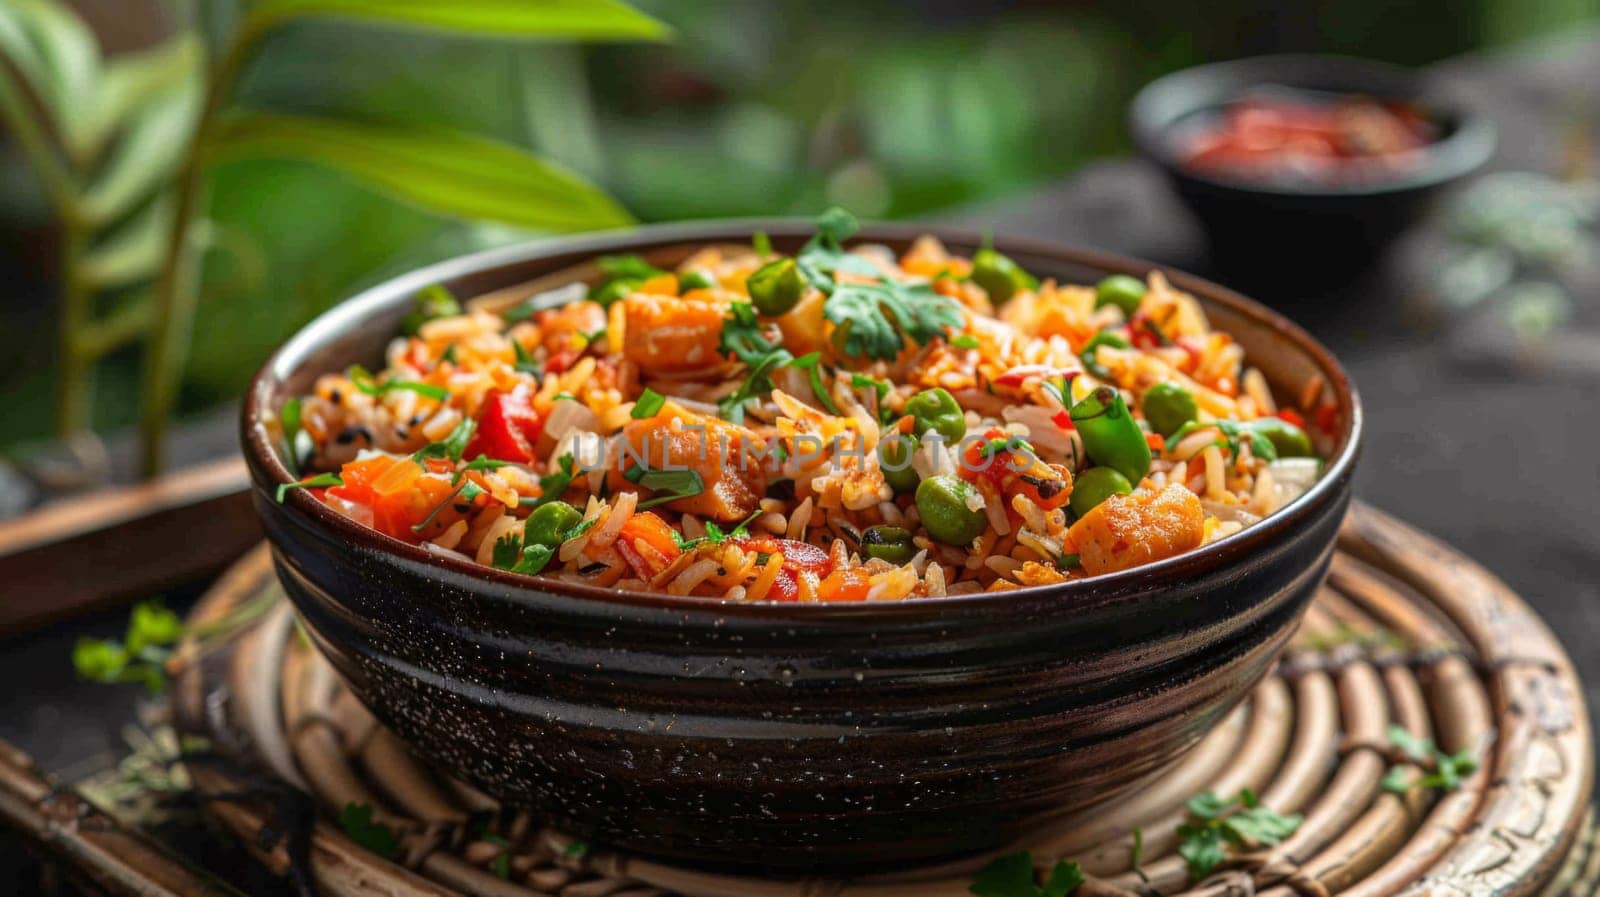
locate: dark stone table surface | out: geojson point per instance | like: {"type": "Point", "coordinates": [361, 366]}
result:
{"type": "Point", "coordinates": [1501, 459]}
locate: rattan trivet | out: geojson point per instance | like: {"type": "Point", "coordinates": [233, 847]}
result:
{"type": "Point", "coordinates": [1406, 630]}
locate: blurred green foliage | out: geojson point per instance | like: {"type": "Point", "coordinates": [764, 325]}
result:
{"type": "Point", "coordinates": [894, 108]}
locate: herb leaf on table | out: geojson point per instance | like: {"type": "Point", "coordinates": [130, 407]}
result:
{"type": "Point", "coordinates": [357, 822]}
{"type": "Point", "coordinates": [1216, 823]}
{"type": "Point", "coordinates": [1013, 876]}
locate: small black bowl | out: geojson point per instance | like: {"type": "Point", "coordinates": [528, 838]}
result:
{"type": "Point", "coordinates": [1308, 233]}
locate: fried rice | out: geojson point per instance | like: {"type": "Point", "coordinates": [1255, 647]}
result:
{"type": "Point", "coordinates": [842, 424]}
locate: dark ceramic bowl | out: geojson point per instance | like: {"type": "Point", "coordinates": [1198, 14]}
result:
{"type": "Point", "coordinates": [788, 735]}
{"type": "Point", "coordinates": [1310, 234]}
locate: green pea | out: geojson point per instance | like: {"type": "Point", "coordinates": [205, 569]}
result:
{"type": "Point", "coordinates": [549, 523]}
{"type": "Point", "coordinates": [614, 290]}
{"type": "Point", "coordinates": [999, 276]}
{"type": "Point", "coordinates": [892, 543]}
{"type": "Point", "coordinates": [1103, 338]}
{"type": "Point", "coordinates": [942, 502]}
{"type": "Point", "coordinates": [1289, 440]}
{"type": "Point", "coordinates": [1168, 406]}
{"type": "Point", "coordinates": [894, 455]}
{"type": "Point", "coordinates": [1122, 291]}
{"type": "Point", "coordinates": [1110, 435]}
{"type": "Point", "coordinates": [695, 280]}
{"type": "Point", "coordinates": [776, 287]}
{"type": "Point", "coordinates": [1094, 486]}
{"type": "Point", "coordinates": [936, 409]}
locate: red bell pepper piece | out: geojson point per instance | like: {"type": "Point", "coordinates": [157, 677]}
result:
{"type": "Point", "coordinates": [507, 428]}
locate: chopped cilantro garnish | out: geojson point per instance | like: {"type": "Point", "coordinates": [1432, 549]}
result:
{"type": "Point", "coordinates": [580, 528]}
{"type": "Point", "coordinates": [289, 422]}
{"type": "Point", "coordinates": [1233, 433]}
{"type": "Point", "coordinates": [824, 253]}
{"type": "Point", "coordinates": [715, 535]}
{"type": "Point", "coordinates": [357, 822]}
{"type": "Point", "coordinates": [742, 335]}
{"type": "Point", "coordinates": [863, 328]}
{"type": "Point", "coordinates": [552, 485]}
{"type": "Point", "coordinates": [565, 294]}
{"type": "Point", "coordinates": [507, 551]}
{"type": "Point", "coordinates": [862, 381]}
{"type": "Point", "coordinates": [320, 481]}
{"type": "Point", "coordinates": [525, 363]}
{"type": "Point", "coordinates": [675, 484]}
{"type": "Point", "coordinates": [648, 405]}
{"type": "Point", "coordinates": [623, 267]}
{"type": "Point", "coordinates": [594, 336]}
{"type": "Point", "coordinates": [531, 559]}
{"type": "Point", "coordinates": [534, 558]}
{"type": "Point", "coordinates": [1068, 561]}
{"type": "Point", "coordinates": [965, 341]}
{"type": "Point", "coordinates": [450, 354]}
{"type": "Point", "coordinates": [364, 381]}
{"type": "Point", "coordinates": [1013, 876]}
{"type": "Point", "coordinates": [1215, 823]}
{"type": "Point", "coordinates": [451, 447]}
{"type": "Point", "coordinates": [756, 384]}
{"type": "Point", "coordinates": [465, 492]}
{"type": "Point", "coordinates": [482, 462]}
{"type": "Point", "coordinates": [869, 317]}
{"type": "Point", "coordinates": [810, 363]}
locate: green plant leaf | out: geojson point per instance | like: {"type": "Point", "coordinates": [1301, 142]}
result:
{"type": "Point", "coordinates": [537, 19]}
{"type": "Point", "coordinates": [66, 60]}
{"type": "Point", "coordinates": [1201, 848]}
{"type": "Point", "coordinates": [147, 155]}
{"type": "Point", "coordinates": [128, 83]}
{"type": "Point", "coordinates": [17, 47]}
{"type": "Point", "coordinates": [128, 319]}
{"type": "Point", "coordinates": [133, 252]}
{"type": "Point", "coordinates": [359, 822]}
{"type": "Point", "coordinates": [446, 172]}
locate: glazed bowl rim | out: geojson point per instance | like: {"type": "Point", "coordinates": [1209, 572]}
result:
{"type": "Point", "coordinates": [1463, 151]}
{"type": "Point", "coordinates": [268, 472]}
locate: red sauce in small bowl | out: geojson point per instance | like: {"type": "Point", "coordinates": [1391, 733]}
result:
{"type": "Point", "coordinates": [1284, 136]}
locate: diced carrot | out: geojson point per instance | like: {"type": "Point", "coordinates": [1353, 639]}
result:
{"type": "Point", "coordinates": [358, 477]}
{"type": "Point", "coordinates": [844, 585]}
{"type": "Point", "coordinates": [395, 490]}
{"type": "Point", "coordinates": [1156, 443]}
{"type": "Point", "coordinates": [660, 285]}
{"type": "Point", "coordinates": [397, 479]}
{"type": "Point", "coordinates": [653, 531]}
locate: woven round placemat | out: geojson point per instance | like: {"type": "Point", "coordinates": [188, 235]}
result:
{"type": "Point", "coordinates": [1406, 631]}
